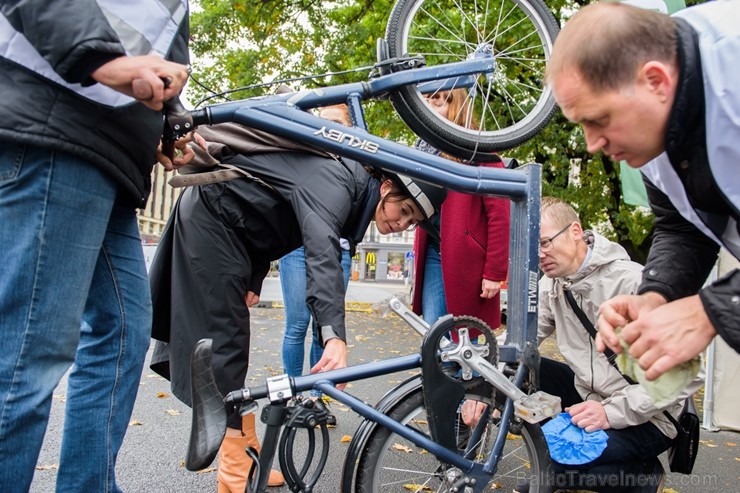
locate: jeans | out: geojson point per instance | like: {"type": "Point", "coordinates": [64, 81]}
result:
{"type": "Point", "coordinates": [297, 314]}
{"type": "Point", "coordinates": [433, 304]}
{"type": "Point", "coordinates": [630, 452]}
{"type": "Point", "coordinates": [73, 289]}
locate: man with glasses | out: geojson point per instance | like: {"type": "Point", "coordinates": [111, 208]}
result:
{"type": "Point", "coordinates": [594, 393]}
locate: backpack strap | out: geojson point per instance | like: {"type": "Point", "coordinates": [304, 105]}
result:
{"type": "Point", "coordinates": [224, 172]}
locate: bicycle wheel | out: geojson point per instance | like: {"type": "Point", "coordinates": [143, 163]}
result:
{"type": "Point", "coordinates": [509, 106]}
{"type": "Point", "coordinates": [390, 463]}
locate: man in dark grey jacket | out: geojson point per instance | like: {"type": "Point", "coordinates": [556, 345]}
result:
{"type": "Point", "coordinates": [82, 87]}
{"type": "Point", "coordinates": [660, 92]}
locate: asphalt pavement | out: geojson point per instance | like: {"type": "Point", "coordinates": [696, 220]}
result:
{"type": "Point", "coordinates": [152, 457]}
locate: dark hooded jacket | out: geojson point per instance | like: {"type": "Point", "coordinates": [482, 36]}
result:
{"type": "Point", "coordinates": [675, 237]}
{"type": "Point", "coordinates": [294, 199]}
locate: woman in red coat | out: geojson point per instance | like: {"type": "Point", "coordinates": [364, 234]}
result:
{"type": "Point", "coordinates": [474, 242]}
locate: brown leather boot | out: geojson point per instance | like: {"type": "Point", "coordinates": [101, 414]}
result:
{"type": "Point", "coordinates": [234, 463]}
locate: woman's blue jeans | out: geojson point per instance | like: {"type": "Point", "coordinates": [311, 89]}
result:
{"type": "Point", "coordinates": [73, 289]}
{"type": "Point", "coordinates": [297, 314]}
{"type": "Point", "coordinates": [433, 301]}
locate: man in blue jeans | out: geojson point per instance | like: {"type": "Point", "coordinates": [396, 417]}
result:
{"type": "Point", "coordinates": [79, 124]}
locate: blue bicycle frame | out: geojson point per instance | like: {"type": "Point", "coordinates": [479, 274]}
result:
{"type": "Point", "coordinates": [285, 115]}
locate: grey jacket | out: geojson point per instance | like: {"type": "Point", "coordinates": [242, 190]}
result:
{"type": "Point", "coordinates": [609, 272]}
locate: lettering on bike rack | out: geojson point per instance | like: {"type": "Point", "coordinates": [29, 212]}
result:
{"type": "Point", "coordinates": [349, 139]}
{"type": "Point", "coordinates": [532, 292]}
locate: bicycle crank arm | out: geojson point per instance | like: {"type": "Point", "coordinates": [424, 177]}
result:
{"type": "Point", "coordinates": [532, 408]}
{"type": "Point", "coordinates": [415, 321]}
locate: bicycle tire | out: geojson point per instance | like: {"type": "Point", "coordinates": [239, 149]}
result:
{"type": "Point", "coordinates": [512, 105]}
{"type": "Point", "coordinates": [390, 463]}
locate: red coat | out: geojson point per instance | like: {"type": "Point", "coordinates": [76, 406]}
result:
{"type": "Point", "coordinates": [474, 234]}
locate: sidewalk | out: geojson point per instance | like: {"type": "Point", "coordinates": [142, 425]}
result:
{"type": "Point", "coordinates": [360, 297]}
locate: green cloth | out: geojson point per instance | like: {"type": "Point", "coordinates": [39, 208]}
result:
{"type": "Point", "coordinates": [633, 188]}
{"type": "Point", "coordinates": [664, 389]}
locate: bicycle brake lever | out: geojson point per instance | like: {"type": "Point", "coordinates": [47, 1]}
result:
{"type": "Point", "coordinates": [178, 122]}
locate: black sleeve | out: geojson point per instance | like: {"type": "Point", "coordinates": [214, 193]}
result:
{"type": "Point", "coordinates": [721, 301]}
{"type": "Point", "coordinates": [681, 256]}
{"type": "Point", "coordinates": [74, 36]}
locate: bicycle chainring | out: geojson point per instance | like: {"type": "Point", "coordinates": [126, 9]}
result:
{"type": "Point", "coordinates": [445, 382]}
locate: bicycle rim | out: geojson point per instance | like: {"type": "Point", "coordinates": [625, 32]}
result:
{"type": "Point", "coordinates": [509, 106]}
{"type": "Point", "coordinates": [390, 463]}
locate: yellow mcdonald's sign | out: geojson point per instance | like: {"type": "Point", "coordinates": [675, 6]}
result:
{"type": "Point", "coordinates": [370, 258]}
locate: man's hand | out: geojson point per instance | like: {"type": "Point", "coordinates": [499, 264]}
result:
{"type": "Point", "coordinates": [142, 77]}
{"type": "Point", "coordinates": [251, 299]}
{"type": "Point", "coordinates": [185, 155]}
{"type": "Point", "coordinates": [471, 412]}
{"type": "Point", "coordinates": [669, 335]}
{"type": "Point", "coordinates": [618, 312]}
{"type": "Point", "coordinates": [334, 357]}
{"type": "Point", "coordinates": [589, 415]}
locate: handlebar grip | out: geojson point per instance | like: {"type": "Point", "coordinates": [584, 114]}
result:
{"type": "Point", "coordinates": [246, 394]}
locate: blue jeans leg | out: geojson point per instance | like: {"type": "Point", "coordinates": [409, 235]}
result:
{"type": "Point", "coordinates": [105, 377]}
{"type": "Point", "coordinates": [433, 304]}
{"type": "Point", "coordinates": [297, 314]}
{"type": "Point", "coordinates": [54, 211]}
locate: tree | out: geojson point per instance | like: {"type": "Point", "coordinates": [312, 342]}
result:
{"type": "Point", "coordinates": [239, 43]}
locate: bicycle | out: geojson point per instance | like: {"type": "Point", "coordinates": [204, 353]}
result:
{"type": "Point", "coordinates": [459, 357]}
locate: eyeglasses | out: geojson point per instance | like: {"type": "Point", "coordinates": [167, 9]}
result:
{"type": "Point", "coordinates": [546, 244]}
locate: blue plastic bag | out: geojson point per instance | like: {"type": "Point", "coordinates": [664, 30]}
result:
{"type": "Point", "coordinates": [570, 444]}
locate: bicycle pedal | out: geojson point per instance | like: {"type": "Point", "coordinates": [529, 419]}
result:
{"type": "Point", "coordinates": [537, 407]}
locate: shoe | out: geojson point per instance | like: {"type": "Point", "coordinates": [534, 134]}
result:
{"type": "Point", "coordinates": [234, 463]}
{"type": "Point", "coordinates": [319, 404]}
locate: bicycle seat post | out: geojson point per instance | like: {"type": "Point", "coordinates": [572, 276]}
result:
{"type": "Point", "coordinates": [273, 416]}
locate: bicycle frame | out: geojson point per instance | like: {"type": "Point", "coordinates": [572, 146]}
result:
{"type": "Point", "coordinates": [286, 115]}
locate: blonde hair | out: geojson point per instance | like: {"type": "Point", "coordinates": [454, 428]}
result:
{"type": "Point", "coordinates": [559, 212]}
{"type": "Point", "coordinates": [459, 109]}
{"type": "Point", "coordinates": [607, 42]}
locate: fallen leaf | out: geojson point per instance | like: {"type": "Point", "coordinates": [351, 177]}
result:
{"type": "Point", "coordinates": [47, 467]}
{"type": "Point", "coordinates": [206, 470]}
{"type": "Point", "coordinates": [402, 448]}
{"type": "Point", "coordinates": [346, 439]}
{"type": "Point", "coordinates": [416, 487]}
{"type": "Point", "coordinates": [731, 444]}
{"type": "Point", "coordinates": [162, 395]}
{"type": "Point", "coordinates": [173, 412]}
{"type": "Point", "coordinates": [135, 422]}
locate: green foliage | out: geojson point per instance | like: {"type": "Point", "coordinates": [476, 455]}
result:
{"type": "Point", "coordinates": [244, 42]}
